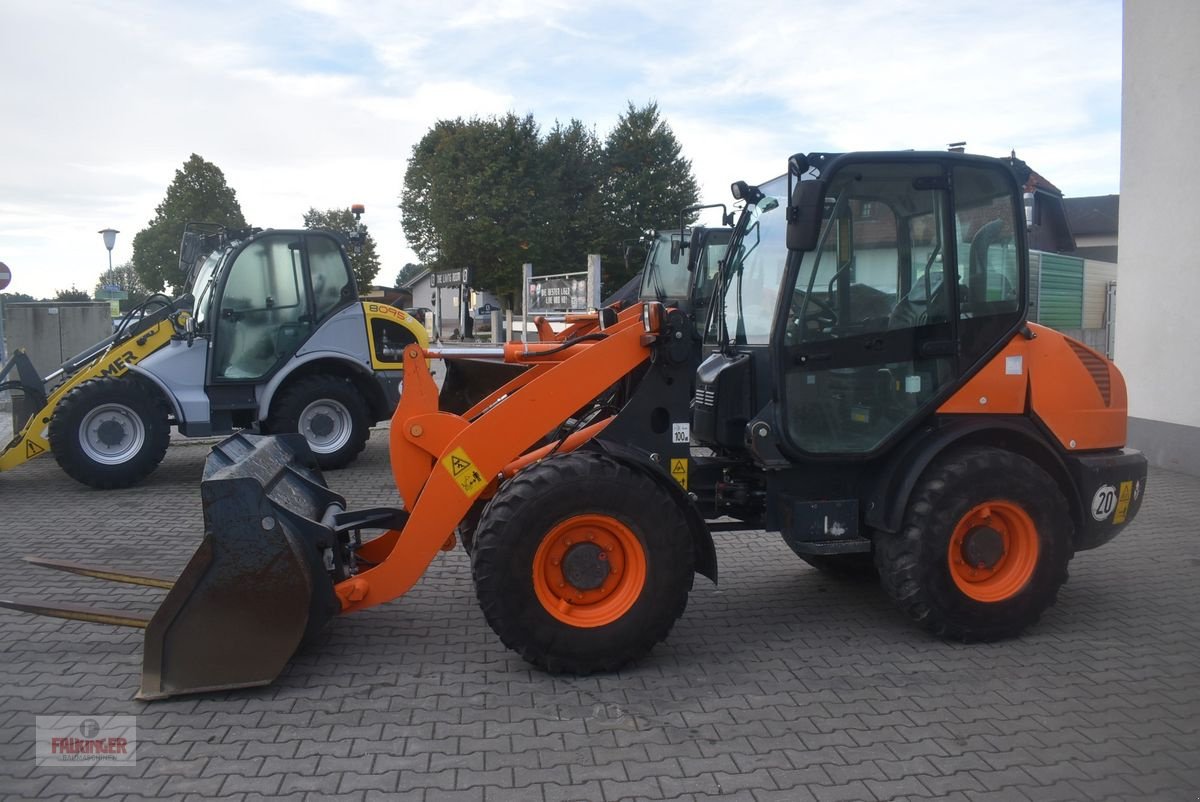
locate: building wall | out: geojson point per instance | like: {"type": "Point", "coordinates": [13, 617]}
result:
{"type": "Point", "coordinates": [1157, 321]}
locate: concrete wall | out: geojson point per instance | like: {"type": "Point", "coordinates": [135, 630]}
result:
{"type": "Point", "coordinates": [54, 332]}
{"type": "Point", "coordinates": [1158, 316]}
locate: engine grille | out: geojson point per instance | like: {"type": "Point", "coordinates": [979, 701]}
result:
{"type": "Point", "coordinates": [1097, 367]}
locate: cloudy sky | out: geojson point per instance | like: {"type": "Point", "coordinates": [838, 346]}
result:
{"type": "Point", "coordinates": [317, 103]}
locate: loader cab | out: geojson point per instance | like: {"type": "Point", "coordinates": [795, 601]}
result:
{"type": "Point", "coordinates": [260, 298]}
{"type": "Point", "coordinates": [912, 275]}
{"type": "Point", "coordinates": [682, 267]}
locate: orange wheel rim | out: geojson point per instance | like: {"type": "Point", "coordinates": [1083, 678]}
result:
{"type": "Point", "coordinates": [589, 570]}
{"type": "Point", "coordinates": [993, 551]}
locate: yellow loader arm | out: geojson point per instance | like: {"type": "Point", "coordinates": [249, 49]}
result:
{"type": "Point", "coordinates": [30, 439]}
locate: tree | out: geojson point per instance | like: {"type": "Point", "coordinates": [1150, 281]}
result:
{"type": "Point", "coordinates": [16, 298]}
{"type": "Point", "coordinates": [198, 193]}
{"type": "Point", "coordinates": [471, 198]}
{"type": "Point", "coordinates": [572, 160]}
{"type": "Point", "coordinates": [363, 260]}
{"type": "Point", "coordinates": [125, 278]}
{"type": "Point", "coordinates": [408, 273]}
{"type": "Point", "coordinates": [72, 294]}
{"type": "Point", "coordinates": [646, 184]}
{"type": "Point", "coordinates": [490, 194]}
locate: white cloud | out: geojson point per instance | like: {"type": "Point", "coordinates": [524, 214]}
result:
{"type": "Point", "coordinates": [319, 102]}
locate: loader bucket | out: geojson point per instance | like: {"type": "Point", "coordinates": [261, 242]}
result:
{"type": "Point", "coordinates": [469, 381]}
{"type": "Point", "coordinates": [257, 585]}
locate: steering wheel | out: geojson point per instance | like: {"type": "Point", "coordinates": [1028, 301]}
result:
{"type": "Point", "coordinates": [824, 314]}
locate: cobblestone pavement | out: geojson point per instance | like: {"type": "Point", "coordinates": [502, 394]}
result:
{"type": "Point", "coordinates": [780, 684]}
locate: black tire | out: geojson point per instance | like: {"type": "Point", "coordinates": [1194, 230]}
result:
{"type": "Point", "coordinates": [331, 414]}
{"type": "Point", "coordinates": [859, 566]}
{"type": "Point", "coordinates": [966, 487]}
{"type": "Point", "coordinates": [555, 495]}
{"type": "Point", "coordinates": [110, 432]}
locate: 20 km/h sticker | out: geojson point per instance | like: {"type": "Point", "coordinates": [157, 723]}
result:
{"type": "Point", "coordinates": [1104, 502]}
{"type": "Point", "coordinates": [462, 469]}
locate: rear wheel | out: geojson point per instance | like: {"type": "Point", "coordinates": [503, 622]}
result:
{"type": "Point", "coordinates": [582, 564]}
{"type": "Point", "coordinates": [984, 547]}
{"type": "Point", "coordinates": [110, 432]}
{"type": "Point", "coordinates": [329, 412]}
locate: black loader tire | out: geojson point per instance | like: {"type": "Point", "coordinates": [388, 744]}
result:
{"type": "Point", "coordinates": [858, 566]}
{"type": "Point", "coordinates": [985, 494]}
{"type": "Point", "coordinates": [332, 413]}
{"type": "Point", "coordinates": [538, 512]}
{"type": "Point", "coordinates": [110, 432]}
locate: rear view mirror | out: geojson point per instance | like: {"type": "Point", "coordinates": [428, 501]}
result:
{"type": "Point", "coordinates": [676, 250]}
{"type": "Point", "coordinates": [804, 215]}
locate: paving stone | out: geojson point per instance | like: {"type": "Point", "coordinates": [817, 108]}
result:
{"type": "Point", "coordinates": [782, 684]}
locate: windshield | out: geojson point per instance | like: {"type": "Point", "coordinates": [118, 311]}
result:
{"type": "Point", "coordinates": [204, 285]}
{"type": "Point", "coordinates": [755, 265]}
{"type": "Point", "coordinates": [661, 279]}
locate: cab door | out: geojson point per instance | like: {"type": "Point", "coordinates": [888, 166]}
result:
{"type": "Point", "coordinates": [883, 319]}
{"type": "Point", "coordinates": [264, 309]}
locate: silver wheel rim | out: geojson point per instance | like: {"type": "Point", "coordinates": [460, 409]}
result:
{"type": "Point", "coordinates": [112, 434]}
{"type": "Point", "coordinates": [326, 425]}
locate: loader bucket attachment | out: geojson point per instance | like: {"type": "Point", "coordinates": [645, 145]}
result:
{"type": "Point", "coordinates": [257, 585]}
{"type": "Point", "coordinates": [469, 381]}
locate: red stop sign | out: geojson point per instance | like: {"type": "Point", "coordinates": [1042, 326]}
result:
{"type": "Point", "coordinates": [5, 276]}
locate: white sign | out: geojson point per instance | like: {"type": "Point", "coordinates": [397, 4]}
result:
{"type": "Point", "coordinates": [681, 433]}
{"type": "Point", "coordinates": [1104, 502]}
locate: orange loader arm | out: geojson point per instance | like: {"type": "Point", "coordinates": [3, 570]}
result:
{"type": "Point", "coordinates": [442, 462]}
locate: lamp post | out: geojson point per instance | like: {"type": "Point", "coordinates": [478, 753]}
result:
{"type": "Point", "coordinates": [110, 239]}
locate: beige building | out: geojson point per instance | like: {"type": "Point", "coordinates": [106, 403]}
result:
{"type": "Point", "coordinates": [1158, 325]}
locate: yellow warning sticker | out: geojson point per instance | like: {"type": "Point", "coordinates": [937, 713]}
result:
{"type": "Point", "coordinates": [463, 470]}
{"type": "Point", "coordinates": [1123, 503]}
{"type": "Point", "coordinates": [32, 449]}
{"type": "Point", "coordinates": [679, 470]}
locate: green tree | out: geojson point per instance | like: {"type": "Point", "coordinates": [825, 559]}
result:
{"type": "Point", "coordinates": [198, 193]}
{"type": "Point", "coordinates": [490, 194]}
{"type": "Point", "coordinates": [364, 260]}
{"type": "Point", "coordinates": [16, 298]}
{"type": "Point", "coordinates": [471, 198]}
{"type": "Point", "coordinates": [72, 294]}
{"type": "Point", "coordinates": [125, 278]}
{"type": "Point", "coordinates": [407, 273]}
{"type": "Point", "coordinates": [646, 183]}
{"type": "Point", "coordinates": [572, 212]}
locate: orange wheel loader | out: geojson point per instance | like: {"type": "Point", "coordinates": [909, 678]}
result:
{"type": "Point", "coordinates": [862, 380]}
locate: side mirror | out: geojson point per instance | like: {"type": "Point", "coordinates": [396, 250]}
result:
{"type": "Point", "coordinates": [804, 215]}
{"type": "Point", "coordinates": [676, 250]}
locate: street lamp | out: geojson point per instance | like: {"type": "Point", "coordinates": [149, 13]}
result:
{"type": "Point", "coordinates": [110, 239]}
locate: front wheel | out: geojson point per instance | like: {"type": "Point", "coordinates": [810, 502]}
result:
{"type": "Point", "coordinates": [582, 564]}
{"type": "Point", "coordinates": [984, 547]}
{"type": "Point", "coordinates": [110, 432]}
{"type": "Point", "coordinates": [329, 412]}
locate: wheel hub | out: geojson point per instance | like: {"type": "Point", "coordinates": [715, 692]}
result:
{"type": "Point", "coordinates": [589, 570]}
{"type": "Point", "coordinates": [585, 566]}
{"type": "Point", "coordinates": [983, 547]}
{"type": "Point", "coordinates": [321, 425]}
{"type": "Point", "coordinates": [110, 433]}
{"type": "Point", "coordinates": [993, 551]}
{"type": "Point", "coordinates": [327, 425]}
